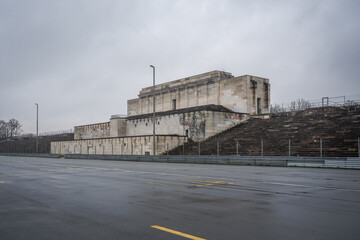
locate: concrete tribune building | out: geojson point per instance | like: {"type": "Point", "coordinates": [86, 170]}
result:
{"type": "Point", "coordinates": [196, 108]}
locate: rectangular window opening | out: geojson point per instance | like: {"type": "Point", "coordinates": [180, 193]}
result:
{"type": "Point", "coordinates": [174, 104]}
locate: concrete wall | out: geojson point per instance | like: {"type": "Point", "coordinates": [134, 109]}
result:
{"type": "Point", "coordinates": [140, 145]}
{"type": "Point", "coordinates": [98, 130]}
{"type": "Point", "coordinates": [238, 94]}
{"type": "Point", "coordinates": [117, 127]}
{"type": "Point", "coordinates": [199, 125]}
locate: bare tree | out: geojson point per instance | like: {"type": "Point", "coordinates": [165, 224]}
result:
{"type": "Point", "coordinates": [9, 129]}
{"type": "Point", "coordinates": [14, 128]}
{"type": "Point", "coordinates": [302, 104]}
{"type": "Point", "coordinates": [292, 106]}
{"type": "Point", "coordinates": [3, 130]}
{"type": "Point", "coordinates": [297, 105]}
{"type": "Point", "coordinates": [276, 108]}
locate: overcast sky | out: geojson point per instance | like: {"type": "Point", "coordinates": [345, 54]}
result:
{"type": "Point", "coordinates": [82, 60]}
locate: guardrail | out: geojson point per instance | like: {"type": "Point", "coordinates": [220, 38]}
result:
{"type": "Point", "coordinates": [334, 162]}
{"type": "Point", "coordinates": [329, 162]}
{"type": "Point", "coordinates": [43, 155]}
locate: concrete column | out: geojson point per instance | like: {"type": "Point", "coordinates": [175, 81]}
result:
{"type": "Point", "coordinates": [237, 148]}
{"type": "Point", "coordinates": [321, 148]}
{"type": "Point", "coordinates": [199, 149]}
{"type": "Point", "coordinates": [217, 85]}
{"type": "Point", "coordinates": [289, 148]}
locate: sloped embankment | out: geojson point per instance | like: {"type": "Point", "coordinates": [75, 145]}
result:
{"type": "Point", "coordinates": [339, 129]}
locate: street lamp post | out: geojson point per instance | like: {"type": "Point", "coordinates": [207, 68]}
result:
{"type": "Point", "coordinates": [154, 153]}
{"type": "Point", "coordinates": [37, 128]}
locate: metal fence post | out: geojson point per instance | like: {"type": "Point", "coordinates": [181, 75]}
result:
{"type": "Point", "coordinates": [199, 149]}
{"type": "Point", "coordinates": [218, 150]}
{"type": "Point", "coordinates": [359, 147]}
{"type": "Point", "coordinates": [262, 147]}
{"type": "Point", "coordinates": [167, 148]}
{"type": "Point", "coordinates": [141, 149]}
{"type": "Point", "coordinates": [184, 148]}
{"type": "Point", "coordinates": [80, 149]}
{"type": "Point", "coordinates": [289, 147]}
{"type": "Point", "coordinates": [103, 149]}
{"type": "Point", "coordinates": [237, 148]}
{"type": "Point", "coordinates": [112, 149]}
{"type": "Point", "coordinates": [321, 150]}
{"type": "Point", "coordinates": [74, 149]}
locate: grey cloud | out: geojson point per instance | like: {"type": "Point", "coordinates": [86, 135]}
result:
{"type": "Point", "coordinates": [82, 60]}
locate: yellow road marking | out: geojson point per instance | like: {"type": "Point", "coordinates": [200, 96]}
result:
{"type": "Point", "coordinates": [177, 233]}
{"type": "Point", "coordinates": [204, 185]}
{"type": "Point", "coordinates": [163, 184]}
{"type": "Point", "coordinates": [214, 182]}
{"type": "Point", "coordinates": [209, 183]}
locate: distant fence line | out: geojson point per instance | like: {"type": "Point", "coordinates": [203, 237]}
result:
{"type": "Point", "coordinates": [319, 149]}
{"type": "Point", "coordinates": [301, 104]}
{"type": "Point", "coordinates": [287, 150]}
{"type": "Point", "coordinates": [31, 135]}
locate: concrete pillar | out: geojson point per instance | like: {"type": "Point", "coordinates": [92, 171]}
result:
{"type": "Point", "coordinates": [321, 148]}
{"type": "Point", "coordinates": [289, 148]}
{"type": "Point", "coordinates": [237, 148]}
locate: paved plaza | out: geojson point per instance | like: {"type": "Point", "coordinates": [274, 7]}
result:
{"type": "Point", "coordinates": [43, 198]}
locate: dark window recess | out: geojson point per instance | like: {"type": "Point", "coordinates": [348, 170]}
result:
{"type": "Point", "coordinates": [266, 89]}
{"type": "Point", "coordinates": [146, 124]}
{"type": "Point", "coordinates": [187, 133]}
{"type": "Point", "coordinates": [174, 104]}
{"type": "Point", "coordinates": [158, 123]}
{"type": "Point", "coordinates": [258, 106]}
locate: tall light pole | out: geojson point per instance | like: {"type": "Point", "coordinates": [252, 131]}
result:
{"type": "Point", "coordinates": [154, 153]}
{"type": "Point", "coordinates": [37, 128]}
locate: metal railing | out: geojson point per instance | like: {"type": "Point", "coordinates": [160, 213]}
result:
{"type": "Point", "coordinates": [32, 135]}
{"type": "Point", "coordinates": [301, 104]}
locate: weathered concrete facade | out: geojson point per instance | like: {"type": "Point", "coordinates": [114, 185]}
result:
{"type": "Point", "coordinates": [196, 107]}
{"type": "Point", "coordinates": [139, 145]}
{"type": "Point", "coordinates": [245, 94]}
{"type": "Point", "coordinates": [197, 123]}
{"type": "Point", "coordinates": [115, 128]}
{"type": "Point", "coordinates": [97, 130]}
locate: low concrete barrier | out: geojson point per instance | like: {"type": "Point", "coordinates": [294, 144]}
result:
{"type": "Point", "coordinates": [228, 160]}
{"type": "Point", "coordinates": [43, 155]}
{"type": "Point", "coordinates": [328, 162]}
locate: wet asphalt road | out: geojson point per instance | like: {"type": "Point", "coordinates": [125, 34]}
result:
{"type": "Point", "coordinates": [88, 199]}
